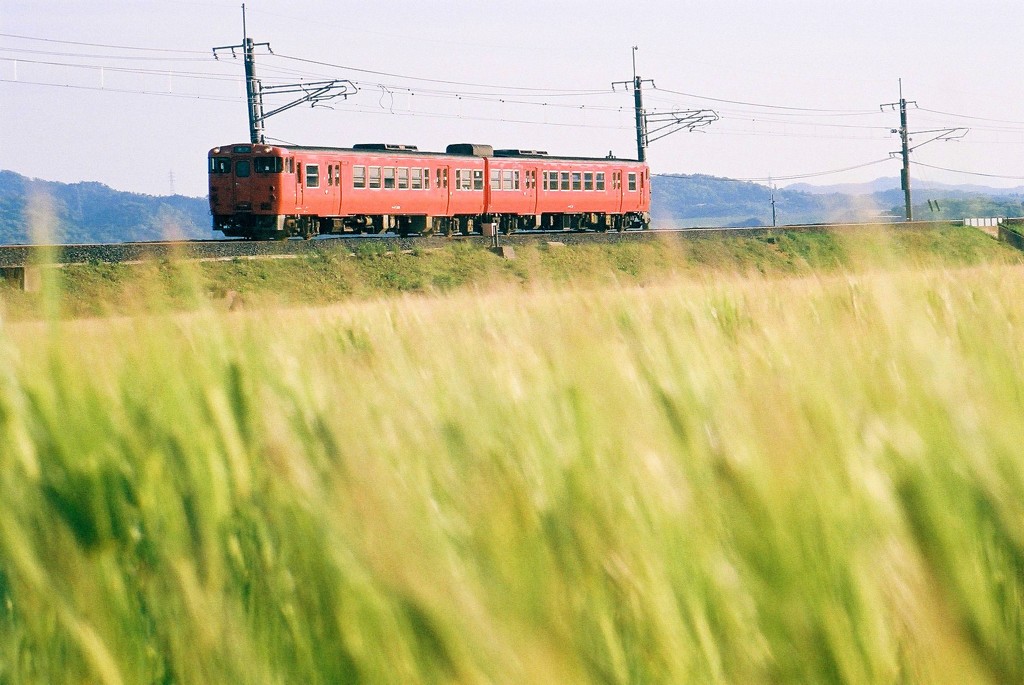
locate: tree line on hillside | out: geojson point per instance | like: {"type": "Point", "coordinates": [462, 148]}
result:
{"type": "Point", "coordinates": [91, 212]}
{"type": "Point", "coordinates": [700, 200]}
{"type": "Point", "coordinates": [94, 213]}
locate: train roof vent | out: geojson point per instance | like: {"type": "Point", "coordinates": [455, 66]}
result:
{"type": "Point", "coordinates": [383, 146]}
{"type": "Point", "coordinates": [520, 153]}
{"type": "Point", "coordinates": [473, 149]}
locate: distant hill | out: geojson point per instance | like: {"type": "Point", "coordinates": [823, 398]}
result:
{"type": "Point", "coordinates": [94, 213]}
{"type": "Point", "coordinates": [699, 200]}
{"type": "Point", "coordinates": [893, 183]}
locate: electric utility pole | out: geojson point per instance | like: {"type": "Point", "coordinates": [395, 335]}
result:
{"type": "Point", "coordinates": [637, 84]}
{"type": "Point", "coordinates": [904, 137]}
{"type": "Point", "coordinates": [665, 123]}
{"type": "Point", "coordinates": [905, 133]}
{"type": "Point", "coordinates": [314, 92]}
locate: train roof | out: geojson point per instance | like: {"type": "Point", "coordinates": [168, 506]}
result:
{"type": "Point", "coordinates": [455, 150]}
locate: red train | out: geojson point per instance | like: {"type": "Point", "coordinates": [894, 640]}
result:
{"type": "Point", "coordinates": [266, 192]}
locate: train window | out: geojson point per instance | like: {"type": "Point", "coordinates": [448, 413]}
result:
{"type": "Point", "coordinates": [506, 179]}
{"type": "Point", "coordinates": [616, 180]}
{"type": "Point", "coordinates": [565, 180]}
{"type": "Point", "coordinates": [444, 177]}
{"type": "Point", "coordinates": [403, 179]}
{"type": "Point", "coordinates": [268, 165]}
{"type": "Point", "coordinates": [358, 177]}
{"type": "Point", "coordinates": [426, 179]}
{"type": "Point", "coordinates": [291, 165]}
{"type": "Point", "coordinates": [588, 180]}
{"type": "Point", "coordinates": [312, 175]}
{"type": "Point", "coordinates": [515, 180]}
{"type": "Point", "coordinates": [220, 165]}
{"type": "Point", "coordinates": [375, 177]}
{"type": "Point", "coordinates": [330, 174]}
{"type": "Point", "coordinates": [544, 182]}
{"type": "Point", "coordinates": [599, 180]}
{"type": "Point", "coordinates": [577, 181]}
{"type": "Point", "coordinates": [478, 179]}
{"type": "Point", "coordinates": [389, 177]}
{"type": "Point", "coordinates": [437, 179]}
{"type": "Point", "coordinates": [243, 168]}
{"type": "Point", "coordinates": [417, 179]}
{"type": "Point", "coordinates": [631, 179]}
{"type": "Point", "coordinates": [242, 149]}
{"type": "Point", "coordinates": [495, 179]}
{"type": "Point", "coordinates": [467, 180]}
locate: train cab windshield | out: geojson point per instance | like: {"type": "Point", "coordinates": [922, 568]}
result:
{"type": "Point", "coordinates": [220, 165]}
{"type": "Point", "coordinates": [268, 165]}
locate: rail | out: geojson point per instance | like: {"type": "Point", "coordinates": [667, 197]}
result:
{"type": "Point", "coordinates": [14, 256]}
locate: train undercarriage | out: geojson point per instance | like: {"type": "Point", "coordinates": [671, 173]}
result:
{"type": "Point", "coordinates": [270, 227]}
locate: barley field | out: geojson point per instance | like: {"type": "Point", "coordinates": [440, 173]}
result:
{"type": "Point", "coordinates": [709, 479]}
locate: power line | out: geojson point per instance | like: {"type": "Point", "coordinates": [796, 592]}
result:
{"type": "Point", "coordinates": [794, 177]}
{"type": "Point", "coordinates": [125, 70]}
{"type": "Point", "coordinates": [214, 98]}
{"type": "Point", "coordinates": [434, 80]}
{"type": "Point", "coordinates": [970, 173]}
{"type": "Point", "coordinates": [92, 55]}
{"type": "Point", "coordinates": [366, 109]}
{"type": "Point", "coordinates": [974, 118]}
{"type": "Point", "coordinates": [507, 94]}
{"type": "Point", "coordinates": [101, 45]}
{"type": "Point", "coordinates": [765, 106]}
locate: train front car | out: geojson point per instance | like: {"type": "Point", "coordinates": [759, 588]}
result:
{"type": "Point", "coordinates": [247, 184]}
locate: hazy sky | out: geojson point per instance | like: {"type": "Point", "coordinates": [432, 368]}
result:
{"type": "Point", "coordinates": [128, 93]}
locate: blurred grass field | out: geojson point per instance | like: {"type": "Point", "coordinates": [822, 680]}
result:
{"type": "Point", "coordinates": [809, 475]}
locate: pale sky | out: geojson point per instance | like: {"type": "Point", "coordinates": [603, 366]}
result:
{"type": "Point", "coordinates": [128, 93]}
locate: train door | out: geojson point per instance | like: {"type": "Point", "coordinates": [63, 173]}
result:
{"type": "Point", "coordinates": [339, 189]}
{"type": "Point", "coordinates": [300, 193]}
{"type": "Point", "coordinates": [444, 186]}
{"type": "Point", "coordinates": [530, 189]}
{"type": "Point", "coordinates": [243, 183]}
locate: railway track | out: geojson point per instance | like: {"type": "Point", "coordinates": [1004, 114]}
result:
{"type": "Point", "coordinates": [114, 253]}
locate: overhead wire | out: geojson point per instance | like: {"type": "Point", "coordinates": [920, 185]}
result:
{"type": "Point", "coordinates": [758, 113]}
{"type": "Point", "coordinates": [794, 177]}
{"type": "Point", "coordinates": [187, 96]}
{"type": "Point", "coordinates": [102, 45]}
{"type": "Point", "coordinates": [969, 173]}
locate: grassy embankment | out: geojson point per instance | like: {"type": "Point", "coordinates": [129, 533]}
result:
{"type": "Point", "coordinates": [708, 479]}
{"type": "Point", "coordinates": [333, 276]}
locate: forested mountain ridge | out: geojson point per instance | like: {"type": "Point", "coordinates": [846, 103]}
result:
{"type": "Point", "coordinates": [91, 212]}
{"type": "Point", "coordinates": [699, 200]}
